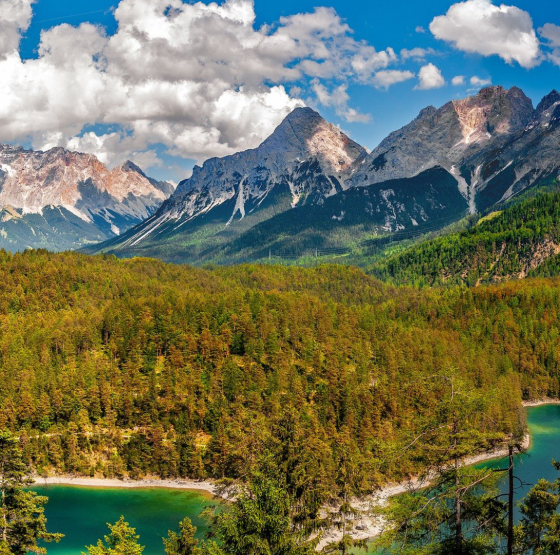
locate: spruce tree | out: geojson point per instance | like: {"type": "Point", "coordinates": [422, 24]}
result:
{"type": "Point", "coordinates": [183, 543]}
{"type": "Point", "coordinates": [23, 524]}
{"type": "Point", "coordinates": [122, 540]}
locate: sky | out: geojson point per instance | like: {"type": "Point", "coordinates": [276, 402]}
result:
{"type": "Point", "coordinates": [168, 84]}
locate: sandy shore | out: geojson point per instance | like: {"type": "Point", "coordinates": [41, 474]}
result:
{"type": "Point", "coordinates": [202, 486]}
{"type": "Point", "coordinates": [540, 402]}
{"type": "Point", "coordinates": [367, 526]}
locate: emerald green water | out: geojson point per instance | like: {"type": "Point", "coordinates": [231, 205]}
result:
{"type": "Point", "coordinates": [544, 427]}
{"type": "Point", "coordinates": [82, 514]}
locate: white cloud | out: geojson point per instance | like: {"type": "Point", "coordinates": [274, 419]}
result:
{"type": "Point", "coordinates": [15, 16]}
{"type": "Point", "coordinates": [386, 78]}
{"type": "Point", "coordinates": [478, 82]}
{"type": "Point", "coordinates": [420, 29]}
{"type": "Point", "coordinates": [481, 27]}
{"type": "Point", "coordinates": [430, 77]}
{"type": "Point", "coordinates": [417, 54]}
{"type": "Point", "coordinates": [198, 78]}
{"type": "Point", "coordinates": [338, 99]}
{"type": "Point", "coordinates": [551, 33]}
{"type": "Point", "coordinates": [458, 80]}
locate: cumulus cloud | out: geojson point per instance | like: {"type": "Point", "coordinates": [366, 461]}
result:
{"type": "Point", "coordinates": [15, 17]}
{"type": "Point", "coordinates": [198, 78]}
{"type": "Point", "coordinates": [430, 77]}
{"type": "Point", "coordinates": [481, 27]}
{"type": "Point", "coordinates": [458, 80]}
{"type": "Point", "coordinates": [551, 33]}
{"type": "Point", "coordinates": [386, 78]}
{"type": "Point", "coordinates": [338, 99]}
{"type": "Point", "coordinates": [478, 82]}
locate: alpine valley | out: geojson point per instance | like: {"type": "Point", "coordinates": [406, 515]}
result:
{"type": "Point", "coordinates": [309, 189]}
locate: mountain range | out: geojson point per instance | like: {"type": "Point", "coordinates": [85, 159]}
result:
{"type": "Point", "coordinates": [308, 188]}
{"type": "Point", "coordinates": [64, 200]}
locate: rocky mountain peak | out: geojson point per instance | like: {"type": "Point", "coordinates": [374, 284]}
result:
{"type": "Point", "coordinates": [130, 166]}
{"type": "Point", "coordinates": [306, 134]}
{"type": "Point", "coordinates": [427, 112]}
{"type": "Point", "coordinates": [548, 101]}
{"type": "Point", "coordinates": [494, 110]}
{"type": "Point", "coordinates": [79, 184]}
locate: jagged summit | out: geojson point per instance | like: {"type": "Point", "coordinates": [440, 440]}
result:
{"type": "Point", "coordinates": [305, 155]}
{"type": "Point", "coordinates": [305, 160]}
{"type": "Point", "coordinates": [104, 201]}
{"type": "Point", "coordinates": [466, 155]}
{"type": "Point", "coordinates": [548, 101]}
{"type": "Point", "coordinates": [450, 137]}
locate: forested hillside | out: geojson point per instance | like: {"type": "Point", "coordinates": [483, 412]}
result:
{"type": "Point", "coordinates": [116, 368]}
{"type": "Point", "coordinates": [518, 241]}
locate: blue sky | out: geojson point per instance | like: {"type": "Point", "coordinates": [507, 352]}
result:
{"type": "Point", "coordinates": [181, 132]}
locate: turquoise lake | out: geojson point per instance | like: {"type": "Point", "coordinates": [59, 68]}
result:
{"type": "Point", "coordinates": [82, 513]}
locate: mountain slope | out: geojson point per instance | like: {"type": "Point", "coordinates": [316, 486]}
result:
{"type": "Point", "coordinates": [521, 240]}
{"type": "Point", "coordinates": [60, 199]}
{"type": "Point", "coordinates": [490, 147]}
{"type": "Point", "coordinates": [304, 161]}
{"type": "Point", "coordinates": [453, 137]}
{"type": "Point", "coordinates": [349, 217]}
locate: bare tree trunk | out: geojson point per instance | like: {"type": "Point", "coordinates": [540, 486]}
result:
{"type": "Point", "coordinates": [458, 521]}
{"type": "Point", "coordinates": [510, 504]}
{"type": "Point", "coordinates": [344, 526]}
{"type": "Point", "coordinates": [4, 511]}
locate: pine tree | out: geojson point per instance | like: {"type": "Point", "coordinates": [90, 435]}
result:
{"type": "Point", "coordinates": [183, 543]}
{"type": "Point", "coordinates": [22, 518]}
{"type": "Point", "coordinates": [122, 540]}
{"type": "Point", "coordinates": [259, 521]}
{"type": "Point", "coordinates": [538, 532]}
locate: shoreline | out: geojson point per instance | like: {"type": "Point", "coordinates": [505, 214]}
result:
{"type": "Point", "coordinates": [202, 486]}
{"type": "Point", "coordinates": [541, 402]}
{"type": "Point", "coordinates": [367, 526]}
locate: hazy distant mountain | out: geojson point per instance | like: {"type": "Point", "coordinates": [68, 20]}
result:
{"type": "Point", "coordinates": [62, 200]}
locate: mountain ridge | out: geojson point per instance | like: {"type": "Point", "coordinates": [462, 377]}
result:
{"type": "Point", "coordinates": [97, 203]}
{"type": "Point", "coordinates": [493, 145]}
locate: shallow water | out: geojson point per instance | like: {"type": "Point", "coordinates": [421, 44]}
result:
{"type": "Point", "coordinates": [530, 467]}
{"type": "Point", "coordinates": [82, 514]}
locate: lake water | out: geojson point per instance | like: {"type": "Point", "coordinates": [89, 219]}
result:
{"type": "Point", "coordinates": [82, 513]}
{"type": "Point", "coordinates": [544, 426]}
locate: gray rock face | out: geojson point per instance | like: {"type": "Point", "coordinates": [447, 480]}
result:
{"type": "Point", "coordinates": [450, 137]}
{"type": "Point", "coordinates": [305, 153]}
{"type": "Point", "coordinates": [306, 157]}
{"type": "Point", "coordinates": [493, 145]}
